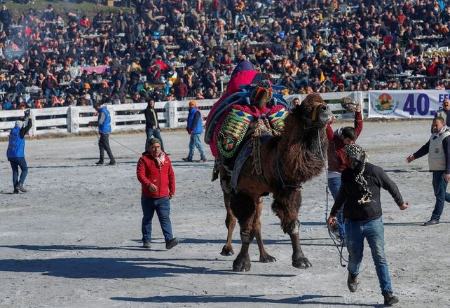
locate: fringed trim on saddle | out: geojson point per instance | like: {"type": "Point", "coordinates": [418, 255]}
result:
{"type": "Point", "coordinates": [262, 128]}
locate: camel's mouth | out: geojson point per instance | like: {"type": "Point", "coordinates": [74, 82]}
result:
{"type": "Point", "coordinates": [325, 115]}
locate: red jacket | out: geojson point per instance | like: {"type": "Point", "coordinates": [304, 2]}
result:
{"type": "Point", "coordinates": [336, 153]}
{"type": "Point", "coordinates": [163, 178]}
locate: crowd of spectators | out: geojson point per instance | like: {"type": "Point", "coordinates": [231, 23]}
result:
{"type": "Point", "coordinates": [176, 49]}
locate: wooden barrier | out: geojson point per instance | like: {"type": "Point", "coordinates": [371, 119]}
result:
{"type": "Point", "coordinates": [126, 117]}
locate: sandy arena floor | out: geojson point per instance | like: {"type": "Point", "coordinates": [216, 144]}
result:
{"type": "Point", "coordinates": [74, 239]}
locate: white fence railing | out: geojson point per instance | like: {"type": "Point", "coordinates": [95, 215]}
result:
{"type": "Point", "coordinates": [125, 117]}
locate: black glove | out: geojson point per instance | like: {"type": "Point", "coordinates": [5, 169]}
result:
{"type": "Point", "coordinates": [27, 113]}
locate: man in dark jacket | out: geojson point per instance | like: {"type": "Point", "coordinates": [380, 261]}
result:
{"type": "Point", "coordinates": [155, 173]}
{"type": "Point", "coordinates": [438, 150]}
{"type": "Point", "coordinates": [16, 152]}
{"type": "Point", "coordinates": [195, 128]}
{"type": "Point", "coordinates": [359, 194]}
{"type": "Point", "coordinates": [337, 159]}
{"type": "Point", "coordinates": [152, 124]}
{"type": "Point", "coordinates": [104, 129]}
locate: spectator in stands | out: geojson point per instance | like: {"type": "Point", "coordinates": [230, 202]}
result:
{"type": "Point", "coordinates": [362, 47]}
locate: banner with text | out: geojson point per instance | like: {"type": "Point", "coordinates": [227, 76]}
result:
{"type": "Point", "coordinates": [406, 103]}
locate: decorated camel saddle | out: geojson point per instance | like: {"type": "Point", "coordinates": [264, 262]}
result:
{"type": "Point", "coordinates": [242, 118]}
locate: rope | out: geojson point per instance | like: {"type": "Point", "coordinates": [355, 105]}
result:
{"type": "Point", "coordinates": [339, 246]}
{"type": "Point", "coordinates": [126, 147]}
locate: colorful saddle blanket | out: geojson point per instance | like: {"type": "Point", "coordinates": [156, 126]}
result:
{"type": "Point", "coordinates": [236, 125]}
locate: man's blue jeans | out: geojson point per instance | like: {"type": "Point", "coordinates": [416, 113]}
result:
{"type": "Point", "coordinates": [334, 184]}
{"type": "Point", "coordinates": [17, 162]}
{"type": "Point", "coordinates": [373, 231]}
{"type": "Point", "coordinates": [195, 142]}
{"type": "Point", "coordinates": [155, 132]}
{"type": "Point", "coordinates": [162, 208]}
{"type": "Point", "coordinates": [440, 191]}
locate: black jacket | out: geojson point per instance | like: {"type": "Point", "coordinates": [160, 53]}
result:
{"type": "Point", "coordinates": [151, 118]}
{"type": "Point", "coordinates": [350, 193]}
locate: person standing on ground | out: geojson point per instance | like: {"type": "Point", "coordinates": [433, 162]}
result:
{"type": "Point", "coordinates": [359, 194]}
{"type": "Point", "coordinates": [155, 173]}
{"type": "Point", "coordinates": [438, 150]}
{"type": "Point", "coordinates": [104, 129]}
{"type": "Point", "coordinates": [337, 159]}
{"type": "Point", "coordinates": [16, 152]}
{"type": "Point", "coordinates": [444, 112]}
{"type": "Point", "coordinates": [152, 124]}
{"type": "Point", "coordinates": [195, 128]}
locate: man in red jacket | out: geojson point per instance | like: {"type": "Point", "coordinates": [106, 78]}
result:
{"type": "Point", "coordinates": [154, 171]}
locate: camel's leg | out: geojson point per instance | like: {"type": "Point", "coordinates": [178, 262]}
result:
{"type": "Point", "coordinates": [263, 255]}
{"type": "Point", "coordinates": [286, 206]}
{"type": "Point", "coordinates": [230, 222]}
{"type": "Point", "coordinates": [244, 208]}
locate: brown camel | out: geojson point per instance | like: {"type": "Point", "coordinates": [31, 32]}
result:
{"type": "Point", "coordinates": [287, 161]}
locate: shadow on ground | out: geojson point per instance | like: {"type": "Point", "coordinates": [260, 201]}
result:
{"type": "Point", "coordinates": [254, 299]}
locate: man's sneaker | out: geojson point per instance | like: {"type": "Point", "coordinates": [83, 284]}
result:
{"type": "Point", "coordinates": [100, 162]}
{"type": "Point", "coordinates": [172, 243]}
{"type": "Point", "coordinates": [187, 159]}
{"type": "Point", "coordinates": [16, 191]}
{"type": "Point", "coordinates": [146, 245]}
{"type": "Point", "coordinates": [431, 222]}
{"type": "Point", "coordinates": [112, 162]}
{"type": "Point", "coordinates": [390, 299]}
{"type": "Point", "coordinates": [20, 188]}
{"type": "Point", "coordinates": [203, 160]}
{"type": "Point", "coordinates": [352, 282]}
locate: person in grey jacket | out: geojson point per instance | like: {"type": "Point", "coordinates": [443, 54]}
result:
{"type": "Point", "coordinates": [438, 150]}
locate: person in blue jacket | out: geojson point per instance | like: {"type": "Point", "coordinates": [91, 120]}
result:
{"type": "Point", "coordinates": [195, 128]}
{"type": "Point", "coordinates": [16, 152]}
{"type": "Point", "coordinates": [104, 129]}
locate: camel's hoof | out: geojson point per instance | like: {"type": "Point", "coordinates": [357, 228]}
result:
{"type": "Point", "coordinates": [241, 264]}
{"type": "Point", "coordinates": [301, 262]}
{"type": "Point", "coordinates": [227, 251]}
{"type": "Point", "coordinates": [266, 258]}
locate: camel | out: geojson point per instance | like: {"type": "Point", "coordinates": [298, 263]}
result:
{"type": "Point", "coordinates": [285, 161]}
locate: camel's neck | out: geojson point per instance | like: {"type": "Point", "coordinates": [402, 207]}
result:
{"type": "Point", "coordinates": [302, 155]}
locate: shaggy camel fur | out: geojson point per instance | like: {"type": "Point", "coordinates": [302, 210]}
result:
{"type": "Point", "coordinates": [287, 161]}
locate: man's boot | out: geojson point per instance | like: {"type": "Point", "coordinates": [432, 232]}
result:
{"type": "Point", "coordinates": [20, 188]}
{"type": "Point", "coordinates": [352, 282]}
{"type": "Point", "coordinates": [390, 299]}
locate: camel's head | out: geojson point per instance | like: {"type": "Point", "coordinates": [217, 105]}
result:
{"type": "Point", "coordinates": [313, 112]}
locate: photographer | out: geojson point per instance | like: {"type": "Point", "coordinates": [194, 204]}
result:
{"type": "Point", "coordinates": [16, 152]}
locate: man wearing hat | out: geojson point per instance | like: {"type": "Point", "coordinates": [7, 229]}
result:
{"type": "Point", "coordinates": [359, 194]}
{"type": "Point", "coordinates": [195, 128]}
{"type": "Point", "coordinates": [16, 152]}
{"type": "Point", "coordinates": [155, 173]}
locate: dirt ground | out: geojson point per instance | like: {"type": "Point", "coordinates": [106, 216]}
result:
{"type": "Point", "coordinates": [74, 239]}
